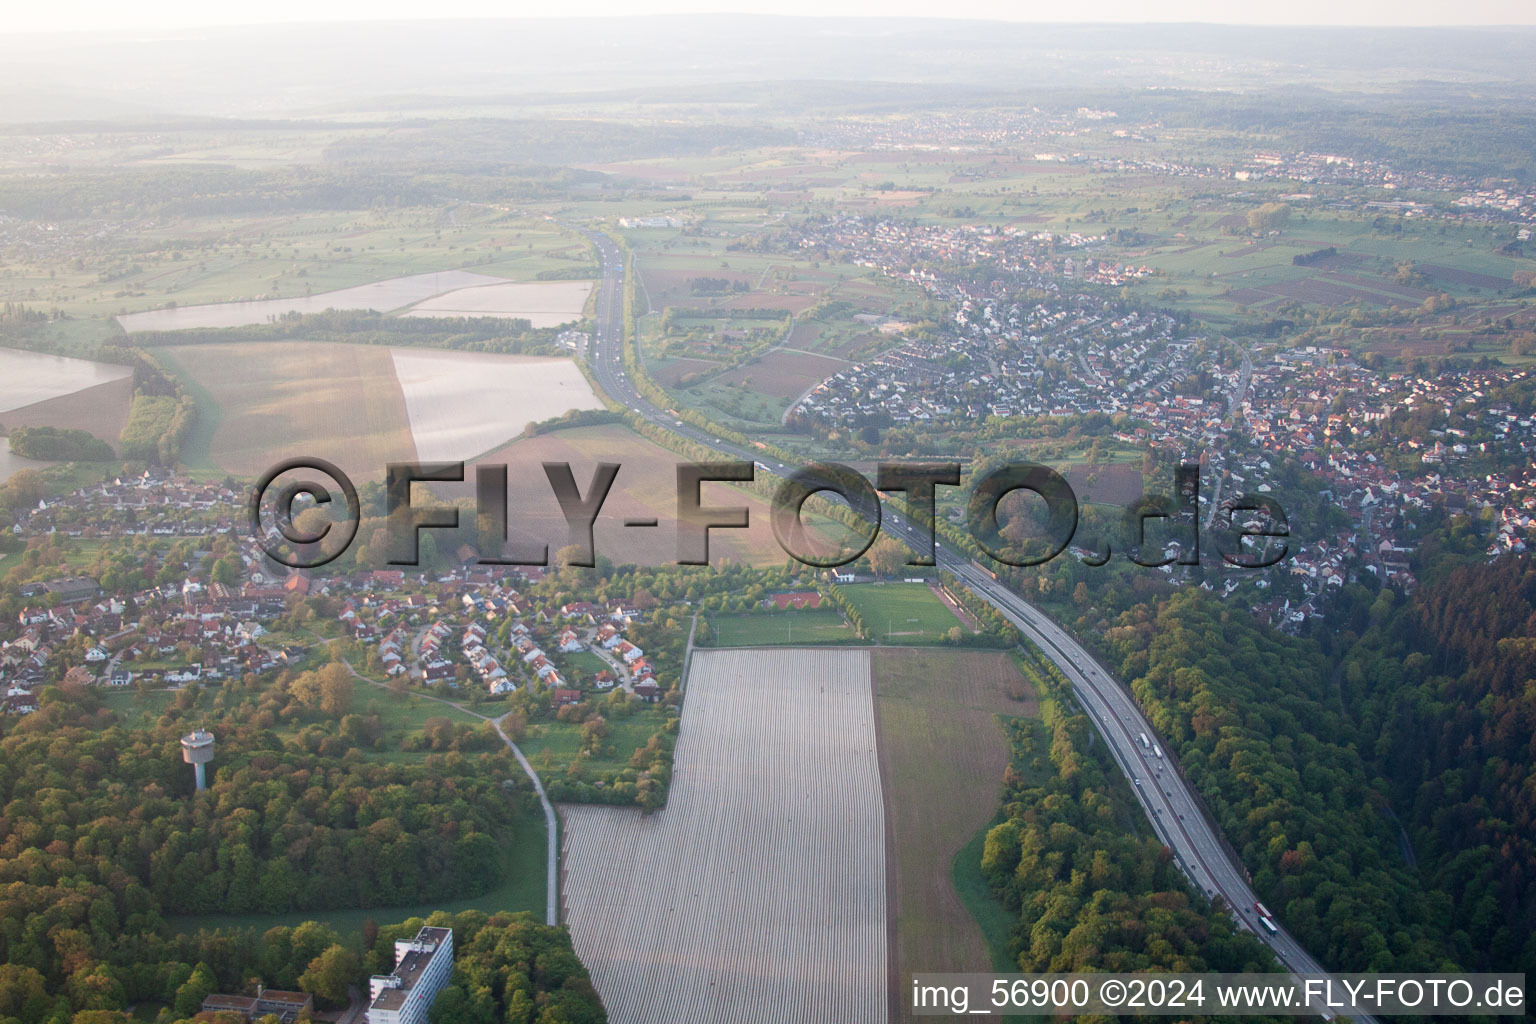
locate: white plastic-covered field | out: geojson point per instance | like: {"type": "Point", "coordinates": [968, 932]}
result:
{"type": "Point", "coordinates": [30, 377]}
{"type": "Point", "coordinates": [541, 303]}
{"type": "Point", "coordinates": [758, 893]}
{"type": "Point", "coordinates": [383, 296]}
{"type": "Point", "coordinates": [463, 404]}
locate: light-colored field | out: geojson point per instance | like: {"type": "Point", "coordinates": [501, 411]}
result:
{"type": "Point", "coordinates": [101, 410]}
{"type": "Point", "coordinates": [272, 400]}
{"type": "Point", "coordinates": [462, 404]}
{"type": "Point", "coordinates": [758, 892]}
{"type": "Point", "coordinates": [942, 758]}
{"type": "Point", "coordinates": [645, 488]}
{"type": "Point", "coordinates": [27, 378]}
{"type": "Point", "coordinates": [542, 303]}
{"type": "Point", "coordinates": [383, 296]}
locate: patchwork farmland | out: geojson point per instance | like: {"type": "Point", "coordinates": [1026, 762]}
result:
{"type": "Point", "coordinates": [758, 894]}
{"type": "Point", "coordinates": [363, 406]}
{"type": "Point", "coordinates": [263, 401]}
{"type": "Point", "coordinates": [383, 296]}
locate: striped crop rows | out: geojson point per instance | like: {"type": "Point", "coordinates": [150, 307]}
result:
{"type": "Point", "coordinates": [757, 896]}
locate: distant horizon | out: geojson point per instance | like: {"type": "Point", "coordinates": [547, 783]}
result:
{"type": "Point", "coordinates": [89, 17]}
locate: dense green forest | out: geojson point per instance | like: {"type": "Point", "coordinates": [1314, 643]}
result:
{"type": "Point", "coordinates": [279, 829]}
{"type": "Point", "coordinates": [1444, 688]}
{"type": "Point", "coordinates": [101, 834]}
{"type": "Point", "coordinates": [59, 444]}
{"type": "Point", "coordinates": [1379, 788]}
{"type": "Point", "coordinates": [1093, 893]}
{"type": "Point", "coordinates": [1261, 729]}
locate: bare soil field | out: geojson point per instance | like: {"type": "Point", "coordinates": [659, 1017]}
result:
{"type": "Point", "coordinates": [942, 758]}
{"type": "Point", "coordinates": [796, 303]}
{"type": "Point", "coordinates": [541, 303]}
{"type": "Point", "coordinates": [27, 378]}
{"type": "Point", "coordinates": [1465, 278]}
{"type": "Point", "coordinates": [101, 411]}
{"type": "Point", "coordinates": [1389, 287]}
{"type": "Point", "coordinates": [461, 404]}
{"type": "Point", "coordinates": [279, 399]}
{"type": "Point", "coordinates": [1326, 293]}
{"type": "Point", "coordinates": [645, 488]}
{"type": "Point", "coordinates": [383, 296]}
{"type": "Point", "coordinates": [782, 373]}
{"type": "Point", "coordinates": [759, 892]}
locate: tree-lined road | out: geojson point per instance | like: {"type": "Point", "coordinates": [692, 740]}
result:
{"type": "Point", "coordinates": [1169, 801]}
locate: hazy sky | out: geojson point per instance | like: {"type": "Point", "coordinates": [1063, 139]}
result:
{"type": "Point", "coordinates": [88, 15]}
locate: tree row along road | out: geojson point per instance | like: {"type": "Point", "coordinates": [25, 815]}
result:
{"type": "Point", "coordinates": [1166, 797]}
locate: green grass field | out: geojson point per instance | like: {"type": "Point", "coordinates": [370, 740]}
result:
{"type": "Point", "coordinates": [552, 746]}
{"type": "Point", "coordinates": [994, 920]}
{"type": "Point", "coordinates": [522, 888]}
{"type": "Point", "coordinates": [824, 625]}
{"type": "Point", "coordinates": [902, 613]}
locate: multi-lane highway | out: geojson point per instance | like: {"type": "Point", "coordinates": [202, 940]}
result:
{"type": "Point", "coordinates": [1167, 798]}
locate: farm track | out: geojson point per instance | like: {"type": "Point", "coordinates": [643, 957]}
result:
{"type": "Point", "coordinates": [758, 894]}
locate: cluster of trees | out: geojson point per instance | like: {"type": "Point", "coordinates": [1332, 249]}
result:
{"type": "Point", "coordinates": [644, 781]}
{"type": "Point", "coordinates": [716, 286]}
{"type": "Point", "coordinates": [839, 600]}
{"type": "Point", "coordinates": [60, 445]}
{"type": "Point", "coordinates": [161, 416]}
{"type": "Point", "coordinates": [507, 969]}
{"type": "Point", "coordinates": [88, 802]}
{"type": "Point", "coordinates": [1269, 217]}
{"type": "Point", "coordinates": [574, 418]}
{"type": "Point", "coordinates": [1090, 894]}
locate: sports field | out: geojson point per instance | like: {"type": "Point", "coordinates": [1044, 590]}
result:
{"type": "Point", "coordinates": [902, 613]}
{"type": "Point", "coordinates": [763, 628]}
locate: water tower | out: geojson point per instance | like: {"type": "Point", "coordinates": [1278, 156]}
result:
{"type": "Point", "coordinates": [197, 750]}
